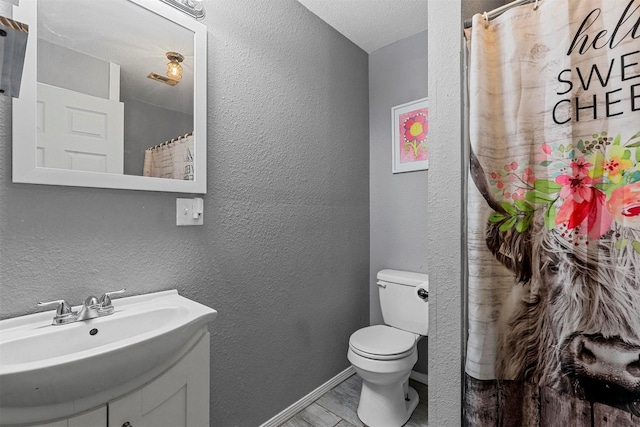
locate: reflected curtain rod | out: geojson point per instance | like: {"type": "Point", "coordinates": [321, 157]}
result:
{"type": "Point", "coordinates": [468, 23]}
{"type": "Point", "coordinates": [171, 141]}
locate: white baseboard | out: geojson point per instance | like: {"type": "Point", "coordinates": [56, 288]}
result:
{"type": "Point", "coordinates": [420, 377]}
{"type": "Point", "coordinates": [309, 398]}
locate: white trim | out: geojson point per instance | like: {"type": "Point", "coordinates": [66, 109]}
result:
{"type": "Point", "coordinates": [308, 399]}
{"type": "Point", "coordinates": [114, 81]}
{"type": "Point", "coordinates": [420, 377]}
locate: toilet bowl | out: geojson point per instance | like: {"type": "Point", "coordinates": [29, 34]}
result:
{"type": "Point", "coordinates": [383, 355]}
{"type": "Point", "coordinates": [384, 364]}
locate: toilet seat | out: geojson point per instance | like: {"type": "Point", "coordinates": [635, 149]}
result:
{"type": "Point", "coordinates": [382, 342]}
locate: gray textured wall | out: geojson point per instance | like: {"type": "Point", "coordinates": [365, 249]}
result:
{"type": "Point", "coordinates": [397, 75]}
{"type": "Point", "coordinates": [283, 254]}
{"type": "Point", "coordinates": [445, 214]}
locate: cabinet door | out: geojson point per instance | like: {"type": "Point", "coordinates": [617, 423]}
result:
{"type": "Point", "coordinates": [178, 398]}
{"type": "Point", "coordinates": [95, 418]}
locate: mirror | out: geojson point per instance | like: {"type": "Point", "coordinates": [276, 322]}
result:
{"type": "Point", "coordinates": [99, 105]}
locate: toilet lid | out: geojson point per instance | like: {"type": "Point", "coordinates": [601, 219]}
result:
{"type": "Point", "coordinates": [382, 342]}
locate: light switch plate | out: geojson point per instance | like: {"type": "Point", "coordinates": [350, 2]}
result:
{"type": "Point", "coordinates": [185, 209]}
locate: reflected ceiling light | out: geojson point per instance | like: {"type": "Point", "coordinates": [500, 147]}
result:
{"type": "Point", "coordinates": [174, 70]}
{"type": "Point", "coordinates": [192, 8]}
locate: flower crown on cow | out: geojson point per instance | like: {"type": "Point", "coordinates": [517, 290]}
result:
{"type": "Point", "coordinates": [592, 183]}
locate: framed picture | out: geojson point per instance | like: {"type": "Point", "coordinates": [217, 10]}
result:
{"type": "Point", "coordinates": [410, 136]}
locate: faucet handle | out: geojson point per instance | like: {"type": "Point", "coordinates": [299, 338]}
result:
{"type": "Point", "coordinates": [105, 301]}
{"type": "Point", "coordinates": [63, 312]}
{"type": "Point", "coordinates": [63, 306]}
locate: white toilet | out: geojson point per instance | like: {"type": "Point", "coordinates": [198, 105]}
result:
{"type": "Point", "coordinates": [383, 355]}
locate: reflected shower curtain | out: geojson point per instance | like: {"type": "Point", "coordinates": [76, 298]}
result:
{"type": "Point", "coordinates": [173, 159]}
{"type": "Point", "coordinates": [554, 216]}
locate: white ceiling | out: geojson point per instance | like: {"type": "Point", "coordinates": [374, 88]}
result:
{"type": "Point", "coordinates": [372, 24]}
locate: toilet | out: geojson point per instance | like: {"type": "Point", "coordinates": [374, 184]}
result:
{"type": "Point", "coordinates": [383, 355]}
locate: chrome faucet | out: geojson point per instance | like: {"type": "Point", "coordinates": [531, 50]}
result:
{"type": "Point", "coordinates": [91, 308]}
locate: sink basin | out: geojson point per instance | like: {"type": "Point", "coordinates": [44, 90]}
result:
{"type": "Point", "coordinates": [78, 364]}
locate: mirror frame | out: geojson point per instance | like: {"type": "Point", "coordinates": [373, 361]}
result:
{"type": "Point", "coordinates": [24, 159]}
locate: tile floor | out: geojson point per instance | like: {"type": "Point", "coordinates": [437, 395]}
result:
{"type": "Point", "coordinates": [338, 406]}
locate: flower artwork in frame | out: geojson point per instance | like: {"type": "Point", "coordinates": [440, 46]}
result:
{"type": "Point", "coordinates": [410, 136]}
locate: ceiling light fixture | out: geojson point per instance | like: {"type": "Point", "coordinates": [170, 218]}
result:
{"type": "Point", "coordinates": [192, 8]}
{"type": "Point", "coordinates": [174, 70]}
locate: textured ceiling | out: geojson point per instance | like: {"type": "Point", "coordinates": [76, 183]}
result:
{"type": "Point", "coordinates": [372, 24]}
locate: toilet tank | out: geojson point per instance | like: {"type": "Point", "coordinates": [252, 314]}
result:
{"type": "Point", "coordinates": [404, 300]}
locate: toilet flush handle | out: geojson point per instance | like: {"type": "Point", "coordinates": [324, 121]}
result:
{"type": "Point", "coordinates": [423, 294]}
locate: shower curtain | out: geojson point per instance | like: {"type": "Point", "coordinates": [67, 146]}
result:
{"type": "Point", "coordinates": [554, 216]}
{"type": "Point", "coordinates": [172, 159]}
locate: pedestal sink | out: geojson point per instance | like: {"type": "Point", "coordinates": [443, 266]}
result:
{"type": "Point", "coordinates": [66, 368]}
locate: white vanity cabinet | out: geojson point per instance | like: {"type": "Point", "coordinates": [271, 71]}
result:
{"type": "Point", "coordinates": [95, 418]}
{"type": "Point", "coordinates": [179, 397]}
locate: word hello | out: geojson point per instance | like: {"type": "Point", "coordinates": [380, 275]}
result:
{"type": "Point", "coordinates": [615, 101]}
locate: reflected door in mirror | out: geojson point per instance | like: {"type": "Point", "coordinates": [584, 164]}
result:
{"type": "Point", "coordinates": [79, 132]}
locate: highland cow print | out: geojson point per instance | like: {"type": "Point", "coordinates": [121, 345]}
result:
{"type": "Point", "coordinates": [576, 324]}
